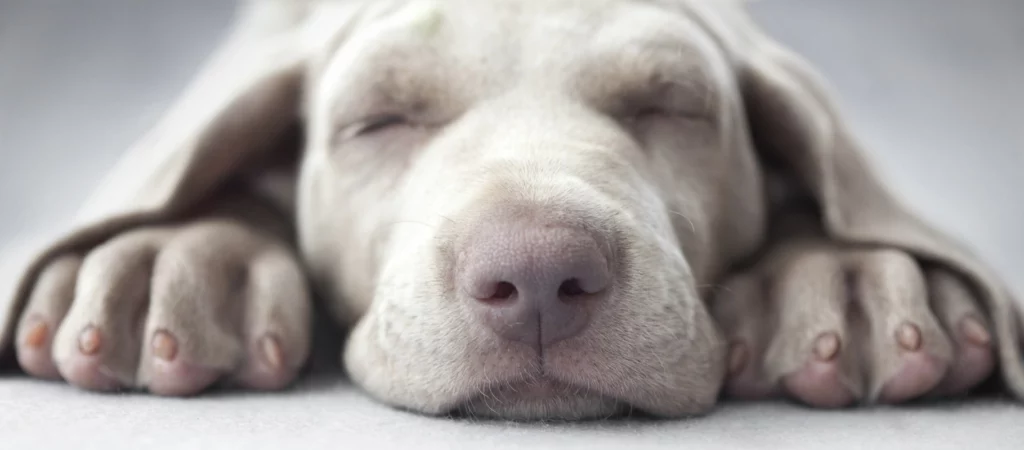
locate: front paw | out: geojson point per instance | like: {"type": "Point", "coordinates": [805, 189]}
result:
{"type": "Point", "coordinates": [831, 326]}
{"type": "Point", "coordinates": [172, 310]}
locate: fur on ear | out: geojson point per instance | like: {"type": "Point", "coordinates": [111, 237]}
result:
{"type": "Point", "coordinates": [795, 122]}
{"type": "Point", "coordinates": [241, 103]}
{"type": "Point", "coordinates": [244, 98]}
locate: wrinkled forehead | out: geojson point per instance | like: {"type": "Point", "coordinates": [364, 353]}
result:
{"type": "Point", "coordinates": [588, 48]}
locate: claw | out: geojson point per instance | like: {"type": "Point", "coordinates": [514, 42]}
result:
{"type": "Point", "coordinates": [165, 346]}
{"type": "Point", "coordinates": [909, 337]}
{"type": "Point", "coordinates": [271, 350]}
{"type": "Point", "coordinates": [36, 335]}
{"type": "Point", "coordinates": [975, 332]}
{"type": "Point", "coordinates": [90, 340]}
{"type": "Point", "coordinates": [827, 346]}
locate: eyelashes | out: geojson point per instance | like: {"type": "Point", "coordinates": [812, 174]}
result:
{"type": "Point", "coordinates": [644, 113]}
{"type": "Point", "coordinates": [381, 123]}
{"type": "Point", "coordinates": [653, 113]}
{"type": "Point", "coordinates": [371, 126]}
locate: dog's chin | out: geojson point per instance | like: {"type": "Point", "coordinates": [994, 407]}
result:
{"type": "Point", "coordinates": [540, 399]}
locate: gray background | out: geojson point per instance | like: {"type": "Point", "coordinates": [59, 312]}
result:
{"type": "Point", "coordinates": [934, 87]}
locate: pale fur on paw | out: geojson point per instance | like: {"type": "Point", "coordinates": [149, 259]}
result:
{"type": "Point", "coordinates": [170, 309]}
{"type": "Point", "coordinates": [831, 326]}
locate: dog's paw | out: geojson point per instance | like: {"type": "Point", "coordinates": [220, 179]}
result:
{"type": "Point", "coordinates": [172, 310]}
{"type": "Point", "coordinates": [832, 326]}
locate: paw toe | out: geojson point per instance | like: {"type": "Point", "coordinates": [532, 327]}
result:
{"type": "Point", "coordinates": [172, 375]}
{"type": "Point", "coordinates": [267, 367]}
{"type": "Point", "coordinates": [739, 308]}
{"type": "Point", "coordinates": [85, 366]}
{"type": "Point", "coordinates": [745, 381]}
{"type": "Point", "coordinates": [918, 374]}
{"type": "Point", "coordinates": [962, 317]}
{"type": "Point", "coordinates": [180, 378]}
{"type": "Point", "coordinates": [974, 362]}
{"type": "Point", "coordinates": [819, 383]}
{"type": "Point", "coordinates": [34, 355]}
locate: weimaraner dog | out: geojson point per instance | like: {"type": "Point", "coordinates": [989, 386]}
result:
{"type": "Point", "coordinates": [523, 209]}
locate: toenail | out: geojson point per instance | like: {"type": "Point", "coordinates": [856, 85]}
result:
{"type": "Point", "coordinates": [909, 336]}
{"type": "Point", "coordinates": [271, 351]}
{"type": "Point", "coordinates": [90, 340]}
{"type": "Point", "coordinates": [737, 358]}
{"type": "Point", "coordinates": [36, 335]}
{"type": "Point", "coordinates": [165, 346]}
{"type": "Point", "coordinates": [974, 331]}
{"type": "Point", "coordinates": [827, 346]}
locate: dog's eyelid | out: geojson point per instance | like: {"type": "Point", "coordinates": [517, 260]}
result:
{"type": "Point", "coordinates": [664, 109]}
{"type": "Point", "coordinates": [375, 124]}
{"type": "Point", "coordinates": [380, 122]}
{"type": "Point", "coordinates": [688, 99]}
{"type": "Point", "coordinates": [369, 125]}
{"type": "Point", "coordinates": [664, 96]}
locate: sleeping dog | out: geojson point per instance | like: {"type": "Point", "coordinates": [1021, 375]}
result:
{"type": "Point", "coordinates": [522, 209]}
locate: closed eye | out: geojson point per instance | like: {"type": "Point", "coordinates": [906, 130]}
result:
{"type": "Point", "coordinates": [370, 126]}
{"type": "Point", "coordinates": [645, 113]}
{"type": "Point", "coordinates": [381, 123]}
{"type": "Point", "coordinates": [641, 114]}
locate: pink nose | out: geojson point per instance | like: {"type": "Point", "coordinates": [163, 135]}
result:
{"type": "Point", "coordinates": [534, 284]}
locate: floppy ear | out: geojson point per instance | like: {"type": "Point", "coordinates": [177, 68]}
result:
{"type": "Point", "coordinates": [241, 101]}
{"type": "Point", "coordinates": [794, 121]}
{"type": "Point", "coordinates": [239, 105]}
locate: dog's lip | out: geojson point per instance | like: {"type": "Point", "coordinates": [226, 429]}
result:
{"type": "Point", "coordinates": [533, 388]}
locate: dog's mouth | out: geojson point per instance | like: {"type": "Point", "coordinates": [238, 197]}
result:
{"type": "Point", "coordinates": [541, 398]}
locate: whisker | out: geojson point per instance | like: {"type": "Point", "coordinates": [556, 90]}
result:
{"type": "Point", "coordinates": [693, 228]}
{"type": "Point", "coordinates": [715, 287]}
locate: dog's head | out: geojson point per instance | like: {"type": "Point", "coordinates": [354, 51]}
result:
{"type": "Point", "coordinates": [521, 202]}
{"type": "Point", "coordinates": [519, 206]}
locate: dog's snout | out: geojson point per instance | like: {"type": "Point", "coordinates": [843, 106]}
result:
{"type": "Point", "coordinates": [534, 284]}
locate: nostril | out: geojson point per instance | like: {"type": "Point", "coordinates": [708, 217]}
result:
{"type": "Point", "coordinates": [570, 288]}
{"type": "Point", "coordinates": [532, 284]}
{"type": "Point", "coordinates": [500, 292]}
{"type": "Point", "coordinates": [503, 291]}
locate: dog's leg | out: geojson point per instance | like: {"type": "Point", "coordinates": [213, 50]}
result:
{"type": "Point", "coordinates": [831, 325]}
{"type": "Point", "coordinates": [176, 307]}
